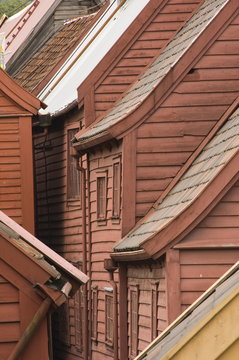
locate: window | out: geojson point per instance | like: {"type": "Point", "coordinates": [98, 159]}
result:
{"type": "Point", "coordinates": [73, 176]}
{"type": "Point", "coordinates": [94, 313]}
{"type": "Point", "coordinates": [101, 180]}
{"type": "Point", "coordinates": [109, 321]}
{"type": "Point", "coordinates": [134, 315]}
{"type": "Point", "coordinates": [154, 311]}
{"type": "Point", "coordinates": [116, 190]}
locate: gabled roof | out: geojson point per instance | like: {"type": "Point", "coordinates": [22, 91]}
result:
{"type": "Point", "coordinates": [38, 250]}
{"type": "Point", "coordinates": [16, 93]}
{"type": "Point", "coordinates": [62, 89]}
{"type": "Point", "coordinates": [19, 26]}
{"type": "Point", "coordinates": [192, 322]}
{"type": "Point", "coordinates": [162, 75]}
{"type": "Point", "coordinates": [48, 57]}
{"type": "Point", "coordinates": [192, 197]}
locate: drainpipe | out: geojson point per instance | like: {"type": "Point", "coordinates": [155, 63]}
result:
{"type": "Point", "coordinates": [89, 248]}
{"type": "Point", "coordinates": [111, 267]}
{"type": "Point", "coordinates": [31, 329]}
{"type": "Point", "coordinates": [84, 257]}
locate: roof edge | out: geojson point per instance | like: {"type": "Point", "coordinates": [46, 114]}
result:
{"type": "Point", "coordinates": [18, 94]}
{"type": "Point", "coordinates": [185, 222]}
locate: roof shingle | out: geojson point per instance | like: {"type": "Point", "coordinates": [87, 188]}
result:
{"type": "Point", "coordinates": [203, 170]}
{"type": "Point", "coordinates": [159, 68]}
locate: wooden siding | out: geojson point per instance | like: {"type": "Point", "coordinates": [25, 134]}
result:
{"type": "Point", "coordinates": [145, 277]}
{"type": "Point", "coordinates": [104, 234]}
{"type": "Point", "coordinates": [9, 313]}
{"type": "Point", "coordinates": [201, 267]}
{"type": "Point", "coordinates": [10, 164]}
{"type": "Point", "coordinates": [59, 220]}
{"type": "Point", "coordinates": [70, 9]}
{"type": "Point", "coordinates": [159, 26]}
{"type": "Point", "coordinates": [167, 139]}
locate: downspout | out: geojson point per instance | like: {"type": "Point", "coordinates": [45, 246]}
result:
{"type": "Point", "coordinates": [89, 248]}
{"type": "Point", "coordinates": [110, 267]}
{"type": "Point", "coordinates": [31, 329]}
{"type": "Point", "coordinates": [84, 257]}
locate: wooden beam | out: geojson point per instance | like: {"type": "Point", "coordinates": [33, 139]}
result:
{"type": "Point", "coordinates": [129, 182]}
{"type": "Point", "coordinates": [173, 284]}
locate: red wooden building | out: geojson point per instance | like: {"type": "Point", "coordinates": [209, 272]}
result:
{"type": "Point", "coordinates": [145, 113]}
{"type": "Point", "coordinates": [33, 281]}
{"type": "Point", "coordinates": [17, 109]}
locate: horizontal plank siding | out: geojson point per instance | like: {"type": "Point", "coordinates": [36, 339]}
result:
{"type": "Point", "coordinates": [10, 165]}
{"type": "Point", "coordinates": [167, 139]}
{"type": "Point", "coordinates": [159, 27]}
{"type": "Point", "coordinates": [9, 317]}
{"type": "Point", "coordinates": [59, 219]}
{"type": "Point", "coordinates": [145, 277]}
{"type": "Point", "coordinates": [202, 266]}
{"type": "Point", "coordinates": [200, 269]}
{"type": "Point", "coordinates": [104, 234]}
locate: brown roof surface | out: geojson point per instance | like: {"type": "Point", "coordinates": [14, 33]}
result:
{"type": "Point", "coordinates": [44, 60]}
{"type": "Point", "coordinates": [159, 68]}
{"type": "Point", "coordinates": [203, 170]}
{"type": "Point", "coordinates": [37, 249]}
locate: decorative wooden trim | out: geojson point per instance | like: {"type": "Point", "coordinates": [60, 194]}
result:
{"type": "Point", "coordinates": [27, 182]}
{"type": "Point", "coordinates": [134, 319]}
{"type": "Point", "coordinates": [154, 310]}
{"type": "Point", "coordinates": [129, 182]}
{"type": "Point", "coordinates": [101, 193]}
{"type": "Point", "coordinates": [72, 174]}
{"type": "Point", "coordinates": [116, 188]}
{"type": "Point", "coordinates": [94, 316]}
{"type": "Point", "coordinates": [123, 310]}
{"type": "Point", "coordinates": [109, 317]}
{"type": "Point", "coordinates": [173, 284]}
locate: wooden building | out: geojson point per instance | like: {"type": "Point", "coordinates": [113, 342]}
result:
{"type": "Point", "coordinates": [17, 109]}
{"type": "Point", "coordinates": [28, 30]}
{"type": "Point", "coordinates": [196, 334]}
{"type": "Point", "coordinates": [33, 280]}
{"type": "Point", "coordinates": [145, 113]}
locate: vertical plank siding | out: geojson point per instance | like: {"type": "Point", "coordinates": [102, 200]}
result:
{"type": "Point", "coordinates": [174, 131]}
{"type": "Point", "coordinates": [159, 27]}
{"type": "Point", "coordinates": [145, 278]}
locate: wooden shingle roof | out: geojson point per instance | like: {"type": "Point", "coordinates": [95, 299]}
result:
{"type": "Point", "coordinates": [157, 72]}
{"type": "Point", "coordinates": [46, 58]}
{"type": "Point", "coordinates": [205, 168]}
